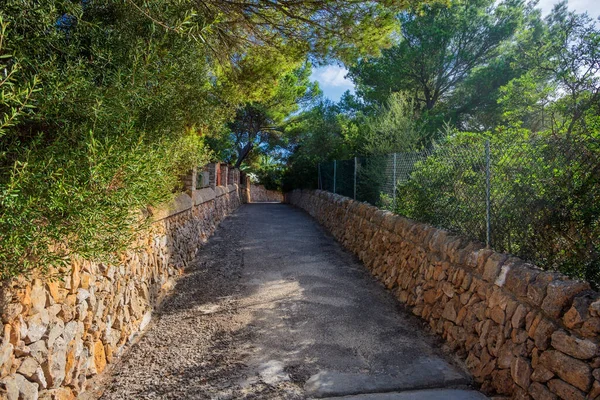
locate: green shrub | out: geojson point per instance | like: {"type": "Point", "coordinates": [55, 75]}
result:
{"type": "Point", "coordinates": [97, 121]}
{"type": "Point", "coordinates": [545, 196]}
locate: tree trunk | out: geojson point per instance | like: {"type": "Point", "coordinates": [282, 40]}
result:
{"type": "Point", "coordinates": [243, 153]}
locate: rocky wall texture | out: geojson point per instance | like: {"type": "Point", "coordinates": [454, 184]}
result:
{"type": "Point", "coordinates": [524, 333]}
{"type": "Point", "coordinates": [259, 194]}
{"type": "Point", "coordinates": [58, 333]}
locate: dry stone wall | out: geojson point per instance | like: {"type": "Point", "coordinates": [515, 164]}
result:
{"type": "Point", "coordinates": [56, 334]}
{"type": "Point", "coordinates": [258, 194]}
{"type": "Point", "coordinates": [524, 333]}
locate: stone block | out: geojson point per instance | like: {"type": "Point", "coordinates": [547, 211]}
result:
{"type": "Point", "coordinates": [502, 382]}
{"type": "Point", "coordinates": [520, 370]}
{"type": "Point", "coordinates": [220, 191]}
{"type": "Point", "coordinates": [540, 392]}
{"type": "Point", "coordinates": [536, 291]}
{"type": "Point", "coordinates": [57, 394]}
{"type": "Point", "coordinates": [582, 349]}
{"type": "Point", "coordinates": [430, 296]}
{"type": "Point", "coordinates": [37, 297]}
{"type": "Point", "coordinates": [203, 195]}
{"type": "Point", "coordinates": [542, 333]}
{"type": "Point", "coordinates": [99, 357]}
{"type": "Point", "coordinates": [377, 216]}
{"type": "Point", "coordinates": [19, 388]}
{"type": "Point", "coordinates": [519, 277]}
{"type": "Point", "coordinates": [37, 325]}
{"type": "Point", "coordinates": [492, 266]}
{"type": "Point", "coordinates": [518, 318]}
{"type": "Point", "coordinates": [437, 241]}
{"type": "Point", "coordinates": [560, 294]}
{"type": "Point", "coordinates": [451, 311]}
{"type": "Point", "coordinates": [541, 374]}
{"type": "Point", "coordinates": [478, 258]}
{"type": "Point", "coordinates": [590, 327]}
{"type": "Point", "coordinates": [565, 391]}
{"type": "Point", "coordinates": [389, 221]}
{"type": "Point", "coordinates": [181, 203]}
{"type": "Point", "coordinates": [595, 392]}
{"type": "Point", "coordinates": [574, 372]}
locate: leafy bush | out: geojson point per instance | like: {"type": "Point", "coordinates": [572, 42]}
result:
{"type": "Point", "coordinates": [97, 120]}
{"type": "Point", "coordinates": [545, 192]}
{"type": "Point", "coordinates": [447, 187]}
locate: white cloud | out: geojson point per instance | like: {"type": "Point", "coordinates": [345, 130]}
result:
{"type": "Point", "coordinates": [592, 7]}
{"type": "Point", "coordinates": [332, 76]}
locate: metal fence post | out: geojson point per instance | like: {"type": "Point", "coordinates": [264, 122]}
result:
{"type": "Point", "coordinates": [394, 183]}
{"type": "Point", "coordinates": [319, 177]}
{"type": "Point", "coordinates": [355, 169]}
{"type": "Point", "coordinates": [334, 174]}
{"type": "Point", "coordinates": [488, 211]}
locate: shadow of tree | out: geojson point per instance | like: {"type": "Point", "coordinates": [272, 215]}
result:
{"type": "Point", "coordinates": [269, 301]}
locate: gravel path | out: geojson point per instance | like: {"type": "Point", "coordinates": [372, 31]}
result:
{"type": "Point", "coordinates": [274, 308]}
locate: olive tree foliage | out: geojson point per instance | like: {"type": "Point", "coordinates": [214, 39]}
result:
{"type": "Point", "coordinates": [15, 95]}
{"type": "Point", "coordinates": [98, 122]}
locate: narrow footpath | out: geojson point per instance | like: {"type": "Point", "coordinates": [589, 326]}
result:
{"type": "Point", "coordinates": [274, 308]}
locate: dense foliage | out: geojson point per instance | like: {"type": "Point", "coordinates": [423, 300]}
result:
{"type": "Point", "coordinates": [544, 191]}
{"type": "Point", "coordinates": [449, 60]}
{"type": "Point", "coordinates": [99, 127]}
{"type": "Point", "coordinates": [104, 104]}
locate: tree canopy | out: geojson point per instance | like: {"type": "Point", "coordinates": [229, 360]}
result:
{"type": "Point", "coordinates": [443, 50]}
{"type": "Point", "coordinates": [260, 122]}
{"type": "Point", "coordinates": [106, 103]}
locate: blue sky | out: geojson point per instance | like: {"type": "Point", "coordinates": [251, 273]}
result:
{"type": "Point", "coordinates": [332, 79]}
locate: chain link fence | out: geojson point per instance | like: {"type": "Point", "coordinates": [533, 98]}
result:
{"type": "Point", "coordinates": [535, 197]}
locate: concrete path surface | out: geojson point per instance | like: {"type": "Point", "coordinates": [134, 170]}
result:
{"type": "Point", "coordinates": [274, 308]}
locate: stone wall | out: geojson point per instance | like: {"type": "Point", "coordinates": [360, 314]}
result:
{"type": "Point", "coordinates": [258, 194]}
{"type": "Point", "coordinates": [524, 333]}
{"type": "Point", "coordinates": [56, 334]}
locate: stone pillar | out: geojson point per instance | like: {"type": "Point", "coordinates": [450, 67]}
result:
{"type": "Point", "coordinates": [219, 175]}
{"type": "Point", "coordinates": [203, 177]}
{"type": "Point", "coordinates": [189, 181]}
{"type": "Point", "coordinates": [247, 183]}
{"type": "Point", "coordinates": [231, 176]}
{"type": "Point", "coordinates": [213, 179]}
{"type": "Point", "coordinates": [224, 171]}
